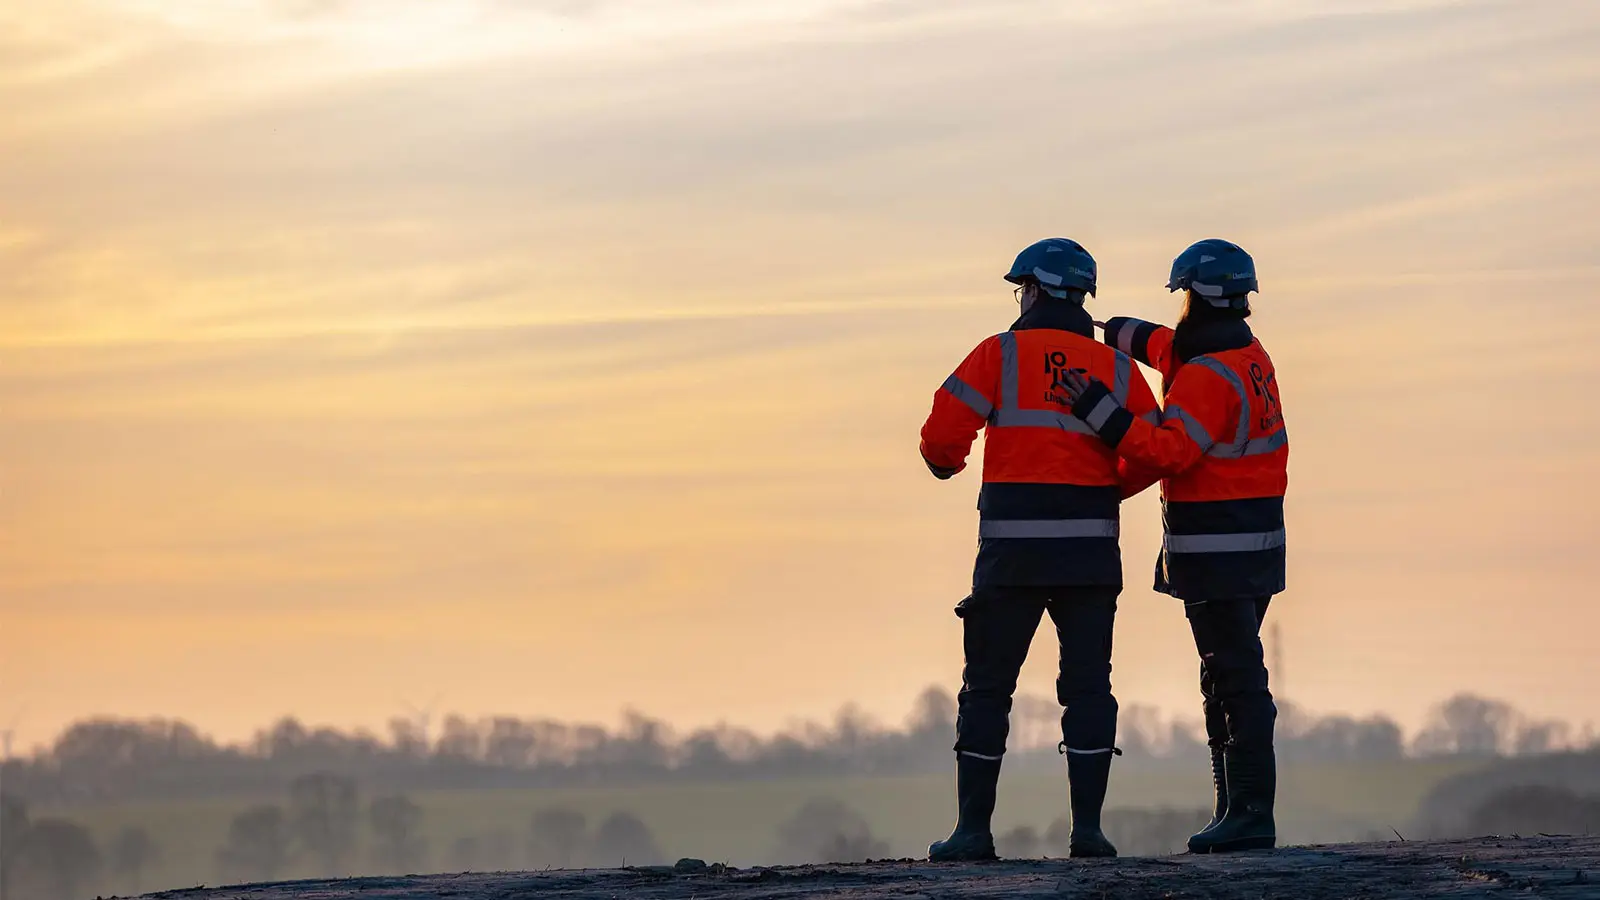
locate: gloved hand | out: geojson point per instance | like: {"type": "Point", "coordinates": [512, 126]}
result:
{"type": "Point", "coordinates": [1071, 384]}
{"type": "Point", "coordinates": [1090, 400]}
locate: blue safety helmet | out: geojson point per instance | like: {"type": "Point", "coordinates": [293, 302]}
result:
{"type": "Point", "coordinates": [1218, 270]}
{"type": "Point", "coordinates": [1060, 266]}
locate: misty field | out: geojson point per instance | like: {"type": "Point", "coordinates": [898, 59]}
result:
{"type": "Point", "coordinates": [738, 821]}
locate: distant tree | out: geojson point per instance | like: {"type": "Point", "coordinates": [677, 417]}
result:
{"type": "Point", "coordinates": [622, 839]}
{"type": "Point", "coordinates": [324, 816]}
{"type": "Point", "coordinates": [493, 851]}
{"type": "Point", "coordinates": [557, 838]}
{"type": "Point", "coordinates": [498, 849]}
{"type": "Point", "coordinates": [397, 822]}
{"type": "Point", "coordinates": [1153, 832]}
{"type": "Point", "coordinates": [465, 853]}
{"type": "Point", "coordinates": [1057, 838]}
{"type": "Point", "coordinates": [826, 830]}
{"type": "Point", "coordinates": [1536, 738]}
{"type": "Point", "coordinates": [1021, 842]}
{"type": "Point", "coordinates": [1466, 725]}
{"type": "Point", "coordinates": [257, 848]}
{"type": "Point", "coordinates": [131, 852]}
{"type": "Point", "coordinates": [56, 860]}
{"type": "Point", "coordinates": [14, 826]}
{"type": "Point", "coordinates": [1535, 809]}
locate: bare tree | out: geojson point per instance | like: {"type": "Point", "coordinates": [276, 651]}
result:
{"type": "Point", "coordinates": [623, 839]}
{"type": "Point", "coordinates": [558, 838]}
{"type": "Point", "coordinates": [826, 830]}
{"type": "Point", "coordinates": [1021, 842]}
{"type": "Point", "coordinates": [396, 821]}
{"type": "Point", "coordinates": [324, 816]}
{"type": "Point", "coordinates": [56, 860]}
{"type": "Point", "coordinates": [14, 826]}
{"type": "Point", "coordinates": [1466, 725]}
{"type": "Point", "coordinates": [133, 851]}
{"type": "Point", "coordinates": [257, 848]}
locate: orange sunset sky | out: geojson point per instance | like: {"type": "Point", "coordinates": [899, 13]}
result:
{"type": "Point", "coordinates": [553, 357]}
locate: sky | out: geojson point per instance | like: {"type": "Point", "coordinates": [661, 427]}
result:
{"type": "Point", "coordinates": [561, 357]}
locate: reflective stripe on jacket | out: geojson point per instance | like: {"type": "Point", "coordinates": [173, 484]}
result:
{"type": "Point", "coordinates": [1222, 452]}
{"type": "Point", "coordinates": [1048, 509]}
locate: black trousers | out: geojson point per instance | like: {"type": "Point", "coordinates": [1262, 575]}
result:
{"type": "Point", "coordinates": [1233, 670]}
{"type": "Point", "coordinates": [998, 624]}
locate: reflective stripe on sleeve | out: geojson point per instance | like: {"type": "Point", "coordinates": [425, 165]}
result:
{"type": "Point", "coordinates": [1102, 411]}
{"type": "Point", "coordinates": [969, 395]}
{"type": "Point", "coordinates": [1223, 543]}
{"type": "Point", "coordinates": [1048, 528]}
{"type": "Point", "coordinates": [1124, 373]}
{"type": "Point", "coordinates": [1191, 426]}
{"type": "Point", "coordinates": [1125, 336]}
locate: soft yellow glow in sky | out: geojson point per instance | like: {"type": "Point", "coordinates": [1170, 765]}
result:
{"type": "Point", "coordinates": [557, 356]}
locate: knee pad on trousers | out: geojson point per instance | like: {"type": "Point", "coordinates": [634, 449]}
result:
{"type": "Point", "coordinates": [1090, 722]}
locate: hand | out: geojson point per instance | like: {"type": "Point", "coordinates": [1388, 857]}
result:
{"type": "Point", "coordinates": [1072, 383]}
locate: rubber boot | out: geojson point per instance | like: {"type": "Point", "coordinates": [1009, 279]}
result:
{"type": "Point", "coordinates": [972, 841]}
{"type": "Point", "coordinates": [1219, 779]}
{"type": "Point", "coordinates": [1252, 776]}
{"type": "Point", "coordinates": [1087, 775]}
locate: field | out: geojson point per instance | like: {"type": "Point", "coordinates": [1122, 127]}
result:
{"type": "Point", "coordinates": [736, 822]}
{"type": "Point", "coordinates": [1551, 868]}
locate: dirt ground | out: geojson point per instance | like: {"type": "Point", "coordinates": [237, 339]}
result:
{"type": "Point", "coordinates": [1543, 867]}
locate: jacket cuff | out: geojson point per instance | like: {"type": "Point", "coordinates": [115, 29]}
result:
{"type": "Point", "coordinates": [1131, 336]}
{"type": "Point", "coordinates": [940, 472]}
{"type": "Point", "coordinates": [1109, 419]}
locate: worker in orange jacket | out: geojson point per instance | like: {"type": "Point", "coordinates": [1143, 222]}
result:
{"type": "Point", "coordinates": [1047, 538]}
{"type": "Point", "coordinates": [1221, 451]}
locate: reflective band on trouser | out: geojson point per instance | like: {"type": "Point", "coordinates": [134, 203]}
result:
{"type": "Point", "coordinates": [1048, 528]}
{"type": "Point", "coordinates": [1245, 542]}
{"type": "Point", "coordinates": [1102, 411]}
{"type": "Point", "coordinates": [969, 395]}
{"type": "Point", "coordinates": [980, 755]}
{"type": "Point", "coordinates": [1090, 752]}
{"type": "Point", "coordinates": [1191, 426]}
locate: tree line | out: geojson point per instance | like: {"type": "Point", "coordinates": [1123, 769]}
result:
{"type": "Point", "coordinates": [109, 759]}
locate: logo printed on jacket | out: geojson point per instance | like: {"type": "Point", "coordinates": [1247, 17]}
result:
{"type": "Point", "coordinates": [1266, 388]}
{"type": "Point", "coordinates": [1056, 368]}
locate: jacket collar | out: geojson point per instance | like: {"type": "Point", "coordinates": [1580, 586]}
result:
{"type": "Point", "coordinates": [1061, 315]}
{"type": "Point", "coordinates": [1198, 338]}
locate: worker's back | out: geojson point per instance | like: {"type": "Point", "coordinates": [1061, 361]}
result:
{"type": "Point", "coordinates": [1048, 510]}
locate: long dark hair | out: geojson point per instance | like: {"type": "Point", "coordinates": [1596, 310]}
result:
{"type": "Point", "coordinates": [1204, 328]}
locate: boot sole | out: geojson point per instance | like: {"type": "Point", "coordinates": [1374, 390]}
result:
{"type": "Point", "coordinates": [1237, 844]}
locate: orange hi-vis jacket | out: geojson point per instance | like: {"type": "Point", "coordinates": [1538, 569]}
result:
{"type": "Point", "coordinates": [1049, 506]}
{"type": "Point", "coordinates": [1221, 450]}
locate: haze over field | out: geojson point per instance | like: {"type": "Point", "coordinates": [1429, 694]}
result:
{"type": "Point", "coordinates": [554, 357]}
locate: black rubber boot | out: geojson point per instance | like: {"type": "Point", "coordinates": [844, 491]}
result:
{"type": "Point", "coordinates": [1252, 776]}
{"type": "Point", "coordinates": [1087, 775]}
{"type": "Point", "coordinates": [1219, 779]}
{"type": "Point", "coordinates": [972, 841]}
